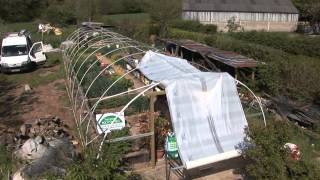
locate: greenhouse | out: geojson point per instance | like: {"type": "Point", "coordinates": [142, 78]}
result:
{"type": "Point", "coordinates": [115, 82]}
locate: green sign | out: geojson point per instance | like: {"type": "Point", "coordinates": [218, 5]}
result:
{"type": "Point", "coordinates": [110, 121]}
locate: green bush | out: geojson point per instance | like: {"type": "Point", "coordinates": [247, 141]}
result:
{"type": "Point", "coordinates": [107, 166]}
{"type": "Point", "coordinates": [60, 15]}
{"type": "Point", "coordinates": [267, 157]}
{"type": "Point", "coordinates": [288, 42]}
{"type": "Point", "coordinates": [194, 26]}
{"type": "Point", "coordinates": [181, 34]}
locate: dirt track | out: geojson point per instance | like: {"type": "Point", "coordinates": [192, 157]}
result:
{"type": "Point", "coordinates": [49, 99]}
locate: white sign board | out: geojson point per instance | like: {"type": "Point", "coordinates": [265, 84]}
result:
{"type": "Point", "coordinates": [104, 122]}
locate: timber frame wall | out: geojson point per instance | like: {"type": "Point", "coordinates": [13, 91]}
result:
{"type": "Point", "coordinates": [247, 20]}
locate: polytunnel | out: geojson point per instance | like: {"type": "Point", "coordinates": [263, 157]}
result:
{"type": "Point", "coordinates": [111, 77]}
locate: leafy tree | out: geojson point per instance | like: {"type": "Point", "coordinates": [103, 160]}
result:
{"type": "Point", "coordinates": [309, 10]}
{"type": "Point", "coordinates": [232, 25]}
{"type": "Point", "coordinates": [21, 10]}
{"type": "Point", "coordinates": [60, 12]}
{"type": "Point", "coordinates": [162, 12]}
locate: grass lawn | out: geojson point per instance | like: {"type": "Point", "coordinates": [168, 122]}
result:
{"type": "Point", "coordinates": [55, 41]}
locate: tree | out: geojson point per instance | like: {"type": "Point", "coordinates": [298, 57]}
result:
{"type": "Point", "coordinates": [21, 10]}
{"type": "Point", "coordinates": [309, 10]}
{"type": "Point", "coordinates": [162, 12]}
{"type": "Point", "coordinates": [60, 12]}
{"type": "Point", "coordinates": [232, 25]}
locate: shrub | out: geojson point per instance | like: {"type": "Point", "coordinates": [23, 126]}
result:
{"type": "Point", "coordinates": [288, 42]}
{"type": "Point", "coordinates": [194, 26]}
{"type": "Point", "coordinates": [181, 34]}
{"type": "Point", "coordinates": [267, 157]}
{"type": "Point", "coordinates": [107, 166]}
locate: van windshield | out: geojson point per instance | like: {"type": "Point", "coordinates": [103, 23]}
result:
{"type": "Point", "coordinates": [16, 50]}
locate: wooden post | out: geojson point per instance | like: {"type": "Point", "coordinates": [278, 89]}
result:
{"type": "Point", "coordinates": [253, 75]}
{"type": "Point", "coordinates": [153, 99]}
{"type": "Point", "coordinates": [177, 51]}
{"type": "Point", "coordinates": [236, 74]}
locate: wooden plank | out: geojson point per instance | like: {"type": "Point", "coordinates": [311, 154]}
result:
{"type": "Point", "coordinates": [130, 138]}
{"type": "Point", "coordinates": [156, 93]}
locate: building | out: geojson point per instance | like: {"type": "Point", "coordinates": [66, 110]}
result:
{"type": "Point", "coordinates": [267, 15]}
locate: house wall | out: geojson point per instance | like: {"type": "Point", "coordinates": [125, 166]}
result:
{"type": "Point", "coordinates": [249, 21]}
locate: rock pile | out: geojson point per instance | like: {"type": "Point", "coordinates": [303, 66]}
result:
{"type": "Point", "coordinates": [48, 127]}
{"type": "Point", "coordinates": [44, 146]}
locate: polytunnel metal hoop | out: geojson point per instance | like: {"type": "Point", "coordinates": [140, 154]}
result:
{"type": "Point", "coordinates": [100, 73]}
{"type": "Point", "coordinates": [86, 49]}
{"type": "Point", "coordinates": [86, 59]}
{"type": "Point", "coordinates": [123, 109]}
{"type": "Point", "coordinates": [97, 103]}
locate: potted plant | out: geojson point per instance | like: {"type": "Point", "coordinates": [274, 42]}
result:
{"type": "Point", "coordinates": [162, 126]}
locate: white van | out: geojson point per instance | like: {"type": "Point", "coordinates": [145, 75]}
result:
{"type": "Point", "coordinates": [19, 54]}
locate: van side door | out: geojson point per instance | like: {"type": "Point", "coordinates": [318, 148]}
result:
{"type": "Point", "coordinates": [36, 53]}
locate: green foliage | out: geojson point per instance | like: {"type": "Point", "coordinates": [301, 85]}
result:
{"type": "Point", "coordinates": [120, 6]}
{"type": "Point", "coordinates": [60, 13]}
{"type": "Point", "coordinates": [107, 166]}
{"type": "Point", "coordinates": [102, 83]}
{"type": "Point", "coordinates": [309, 10]}
{"type": "Point", "coordinates": [162, 127]}
{"type": "Point", "coordinates": [162, 12]}
{"type": "Point", "coordinates": [267, 157]}
{"type": "Point", "coordinates": [140, 105]}
{"type": "Point", "coordinates": [194, 26]}
{"type": "Point", "coordinates": [182, 34]}
{"type": "Point", "coordinates": [232, 25]}
{"type": "Point", "coordinates": [288, 42]}
{"type": "Point", "coordinates": [21, 10]}
{"type": "Point", "coordinates": [6, 164]}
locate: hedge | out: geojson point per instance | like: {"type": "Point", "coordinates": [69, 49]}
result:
{"type": "Point", "coordinates": [288, 42]}
{"type": "Point", "coordinates": [293, 75]}
{"type": "Point", "coordinates": [194, 26]}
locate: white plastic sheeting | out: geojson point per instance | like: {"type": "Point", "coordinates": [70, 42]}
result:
{"type": "Point", "coordinates": [206, 112]}
{"type": "Point", "coordinates": [159, 67]}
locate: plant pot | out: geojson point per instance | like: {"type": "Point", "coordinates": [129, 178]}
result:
{"type": "Point", "coordinates": [160, 153]}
